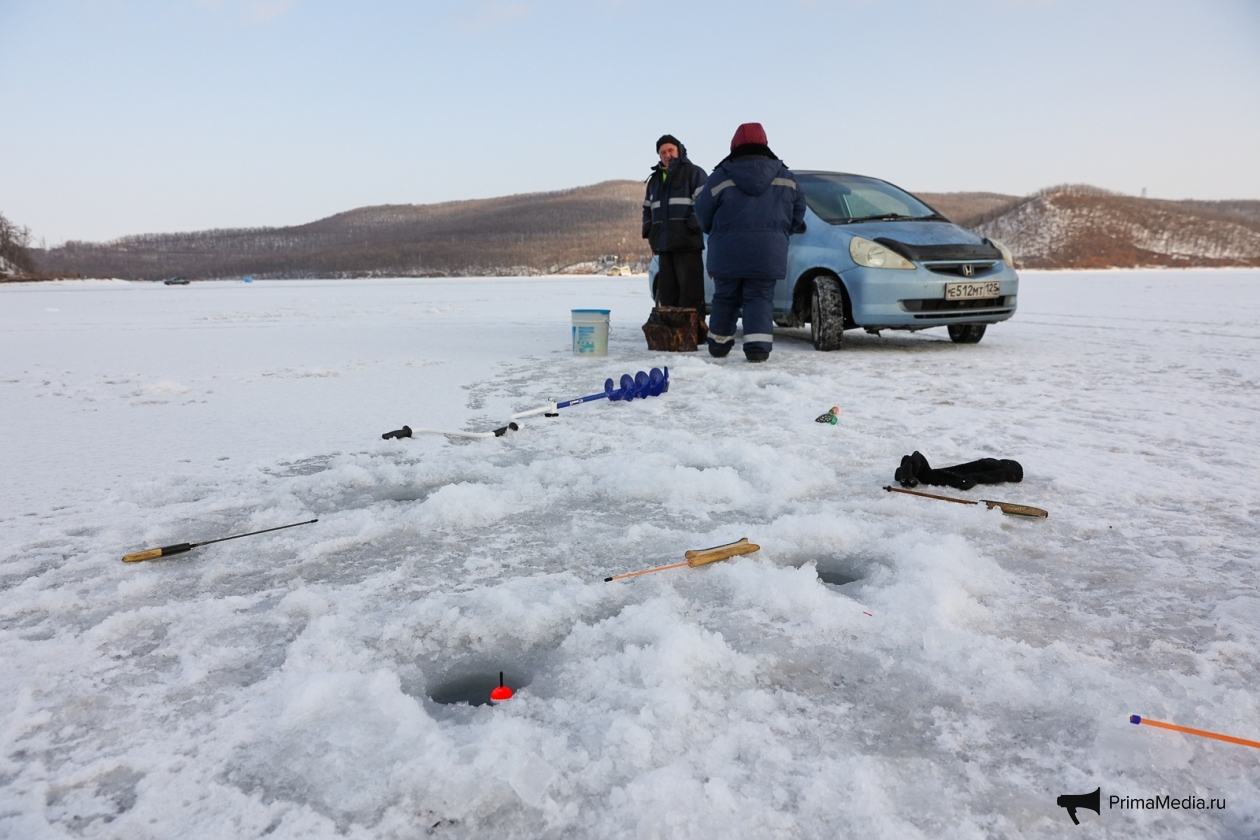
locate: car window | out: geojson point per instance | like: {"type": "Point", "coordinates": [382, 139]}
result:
{"type": "Point", "coordinates": [840, 199]}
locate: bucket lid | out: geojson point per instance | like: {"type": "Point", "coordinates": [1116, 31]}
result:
{"type": "Point", "coordinates": [600, 311]}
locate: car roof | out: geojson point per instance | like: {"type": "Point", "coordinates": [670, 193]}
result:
{"type": "Point", "coordinates": [828, 172]}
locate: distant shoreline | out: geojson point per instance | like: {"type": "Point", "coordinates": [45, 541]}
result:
{"type": "Point", "coordinates": [589, 230]}
{"type": "Point", "coordinates": [118, 281]}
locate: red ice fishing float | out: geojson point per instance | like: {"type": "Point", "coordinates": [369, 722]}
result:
{"type": "Point", "coordinates": [501, 692]}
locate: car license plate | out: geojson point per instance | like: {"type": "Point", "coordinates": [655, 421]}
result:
{"type": "Point", "coordinates": [968, 291]}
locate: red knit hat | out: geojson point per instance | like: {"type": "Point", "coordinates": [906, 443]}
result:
{"type": "Point", "coordinates": [749, 133]}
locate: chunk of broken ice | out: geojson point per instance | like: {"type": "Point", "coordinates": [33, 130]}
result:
{"type": "Point", "coordinates": [531, 779]}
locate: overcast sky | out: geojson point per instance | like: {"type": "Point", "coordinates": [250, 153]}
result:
{"type": "Point", "coordinates": [127, 116]}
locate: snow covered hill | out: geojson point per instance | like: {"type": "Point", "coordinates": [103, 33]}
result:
{"type": "Point", "coordinates": [885, 666]}
{"type": "Point", "coordinates": [1084, 227]}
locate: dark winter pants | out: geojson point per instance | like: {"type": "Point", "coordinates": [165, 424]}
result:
{"type": "Point", "coordinates": [968, 475]}
{"type": "Point", "coordinates": [680, 280]}
{"type": "Point", "coordinates": [757, 299]}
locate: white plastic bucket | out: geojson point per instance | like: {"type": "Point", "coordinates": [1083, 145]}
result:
{"type": "Point", "coordinates": [590, 332]}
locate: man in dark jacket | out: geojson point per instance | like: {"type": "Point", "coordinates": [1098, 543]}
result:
{"type": "Point", "coordinates": [749, 206]}
{"type": "Point", "coordinates": [670, 227]}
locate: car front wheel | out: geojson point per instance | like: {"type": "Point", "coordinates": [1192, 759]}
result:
{"type": "Point", "coordinates": [966, 333]}
{"type": "Point", "coordinates": [826, 313]}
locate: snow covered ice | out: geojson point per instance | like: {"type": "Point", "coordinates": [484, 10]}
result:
{"type": "Point", "coordinates": [280, 685]}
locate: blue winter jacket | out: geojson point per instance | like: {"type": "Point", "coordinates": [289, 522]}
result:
{"type": "Point", "coordinates": [749, 206]}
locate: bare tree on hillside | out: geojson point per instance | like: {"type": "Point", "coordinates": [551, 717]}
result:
{"type": "Point", "coordinates": [14, 240]}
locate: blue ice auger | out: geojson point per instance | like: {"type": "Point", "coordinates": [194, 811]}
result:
{"type": "Point", "coordinates": [641, 385]}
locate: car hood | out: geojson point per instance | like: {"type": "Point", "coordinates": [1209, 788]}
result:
{"type": "Point", "coordinates": [920, 241]}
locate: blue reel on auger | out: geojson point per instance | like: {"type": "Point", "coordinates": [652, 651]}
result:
{"type": "Point", "coordinates": [641, 386]}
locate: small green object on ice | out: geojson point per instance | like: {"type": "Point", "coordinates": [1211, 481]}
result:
{"type": "Point", "coordinates": [831, 417]}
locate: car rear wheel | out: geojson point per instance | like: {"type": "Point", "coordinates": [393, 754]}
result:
{"type": "Point", "coordinates": [966, 333]}
{"type": "Point", "coordinates": [826, 313]}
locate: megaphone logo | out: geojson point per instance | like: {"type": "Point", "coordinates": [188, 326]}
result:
{"type": "Point", "coordinates": [1072, 801]}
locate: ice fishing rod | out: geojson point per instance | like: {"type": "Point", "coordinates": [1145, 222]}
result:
{"type": "Point", "coordinates": [180, 548]}
{"type": "Point", "coordinates": [1202, 733]}
{"type": "Point", "coordinates": [407, 431]}
{"type": "Point", "coordinates": [699, 557]}
{"type": "Point", "coordinates": [1006, 507]}
{"type": "Point", "coordinates": [641, 385]}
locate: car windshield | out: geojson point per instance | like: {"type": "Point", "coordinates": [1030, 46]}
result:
{"type": "Point", "coordinates": [843, 199]}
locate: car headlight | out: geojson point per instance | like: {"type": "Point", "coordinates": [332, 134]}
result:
{"type": "Point", "coordinates": [873, 255]}
{"type": "Point", "coordinates": [1007, 256]}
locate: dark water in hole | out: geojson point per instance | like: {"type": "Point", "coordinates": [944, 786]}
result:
{"type": "Point", "coordinates": [835, 577]}
{"type": "Point", "coordinates": [837, 573]}
{"type": "Point", "coordinates": [474, 688]}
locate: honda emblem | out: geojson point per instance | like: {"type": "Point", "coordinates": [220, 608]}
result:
{"type": "Point", "coordinates": [968, 270]}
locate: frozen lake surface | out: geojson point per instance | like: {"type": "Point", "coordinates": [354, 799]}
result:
{"type": "Point", "coordinates": [281, 685]}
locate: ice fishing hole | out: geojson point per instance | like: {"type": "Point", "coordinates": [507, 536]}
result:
{"type": "Point", "coordinates": [474, 686]}
{"type": "Point", "coordinates": [837, 572]}
{"type": "Point", "coordinates": [835, 577]}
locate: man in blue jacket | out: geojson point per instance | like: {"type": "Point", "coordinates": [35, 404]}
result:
{"type": "Point", "coordinates": [670, 227]}
{"type": "Point", "coordinates": [749, 206]}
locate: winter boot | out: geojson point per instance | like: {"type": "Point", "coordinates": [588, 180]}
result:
{"type": "Point", "coordinates": [719, 349]}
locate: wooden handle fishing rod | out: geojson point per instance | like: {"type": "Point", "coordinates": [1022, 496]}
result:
{"type": "Point", "coordinates": [699, 557]}
{"type": "Point", "coordinates": [180, 548]}
{"type": "Point", "coordinates": [1006, 507]}
{"type": "Point", "coordinates": [644, 572]}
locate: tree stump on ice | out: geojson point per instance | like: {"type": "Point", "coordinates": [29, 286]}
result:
{"type": "Point", "coordinates": [674, 329]}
